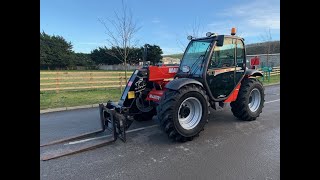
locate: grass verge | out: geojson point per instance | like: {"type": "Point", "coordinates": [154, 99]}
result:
{"type": "Point", "coordinates": [77, 98]}
{"type": "Point", "coordinates": [273, 79]}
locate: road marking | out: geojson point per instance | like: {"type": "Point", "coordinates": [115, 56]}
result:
{"type": "Point", "coordinates": [138, 129]}
{"type": "Point", "coordinates": [272, 101]}
{"type": "Point", "coordinates": [273, 94]}
{"type": "Point", "coordinates": [90, 139]}
{"type": "Point", "coordinates": [132, 130]}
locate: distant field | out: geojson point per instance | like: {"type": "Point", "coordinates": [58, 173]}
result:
{"type": "Point", "coordinates": [179, 56]}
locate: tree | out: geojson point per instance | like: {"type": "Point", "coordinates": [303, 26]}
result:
{"type": "Point", "coordinates": [83, 59]}
{"type": "Point", "coordinates": [120, 33]}
{"type": "Point", "coordinates": [135, 56]}
{"type": "Point", "coordinates": [154, 53]}
{"type": "Point", "coordinates": [55, 52]}
{"type": "Point", "coordinates": [195, 30]}
{"type": "Point", "coordinates": [102, 56]}
{"type": "Point", "coordinates": [267, 39]}
{"type": "Point", "coordinates": [44, 51]}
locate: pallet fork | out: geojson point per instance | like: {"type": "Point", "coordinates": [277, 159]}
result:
{"type": "Point", "coordinates": [112, 118]}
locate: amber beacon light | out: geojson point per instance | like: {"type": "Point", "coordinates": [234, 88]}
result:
{"type": "Point", "coordinates": [233, 31]}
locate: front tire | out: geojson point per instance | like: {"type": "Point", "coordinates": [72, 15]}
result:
{"type": "Point", "coordinates": [250, 100]}
{"type": "Point", "coordinates": [183, 113]}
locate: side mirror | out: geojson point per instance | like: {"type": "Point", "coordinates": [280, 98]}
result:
{"type": "Point", "coordinates": [220, 40]}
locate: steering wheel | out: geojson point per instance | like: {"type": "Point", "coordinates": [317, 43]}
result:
{"type": "Point", "coordinates": [225, 65]}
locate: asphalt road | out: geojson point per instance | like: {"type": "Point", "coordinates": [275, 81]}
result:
{"type": "Point", "coordinates": [227, 149]}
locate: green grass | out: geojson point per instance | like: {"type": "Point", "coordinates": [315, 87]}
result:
{"type": "Point", "coordinates": [77, 98]}
{"type": "Point", "coordinates": [273, 79]}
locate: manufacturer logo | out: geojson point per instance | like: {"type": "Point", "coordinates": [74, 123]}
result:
{"type": "Point", "coordinates": [140, 85]}
{"type": "Point", "coordinates": [173, 70]}
{"type": "Point", "coordinates": [154, 97]}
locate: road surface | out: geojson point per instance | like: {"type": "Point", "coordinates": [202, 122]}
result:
{"type": "Point", "coordinates": [227, 149]}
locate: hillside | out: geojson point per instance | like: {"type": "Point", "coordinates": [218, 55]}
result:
{"type": "Point", "coordinates": [261, 48]}
{"type": "Point", "coordinates": [255, 48]}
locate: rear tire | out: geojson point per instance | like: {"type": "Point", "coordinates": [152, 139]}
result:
{"type": "Point", "coordinates": [183, 113]}
{"type": "Point", "coordinates": [250, 100]}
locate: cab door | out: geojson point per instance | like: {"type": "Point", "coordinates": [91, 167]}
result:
{"type": "Point", "coordinates": [222, 69]}
{"type": "Point", "coordinates": [240, 61]}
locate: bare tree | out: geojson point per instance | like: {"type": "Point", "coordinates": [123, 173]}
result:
{"type": "Point", "coordinates": [195, 30]}
{"type": "Point", "coordinates": [240, 34]}
{"type": "Point", "coordinates": [267, 38]}
{"type": "Point", "coordinates": [181, 45]}
{"type": "Point", "coordinates": [120, 32]}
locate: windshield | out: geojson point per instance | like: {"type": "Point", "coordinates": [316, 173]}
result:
{"type": "Point", "coordinates": [193, 57]}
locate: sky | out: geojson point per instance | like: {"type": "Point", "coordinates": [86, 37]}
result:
{"type": "Point", "coordinates": [166, 23]}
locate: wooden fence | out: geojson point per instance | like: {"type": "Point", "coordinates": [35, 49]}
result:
{"type": "Point", "coordinates": [57, 81]}
{"type": "Point", "coordinates": [275, 71]}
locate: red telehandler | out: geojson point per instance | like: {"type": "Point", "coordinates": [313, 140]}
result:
{"type": "Point", "coordinates": [212, 72]}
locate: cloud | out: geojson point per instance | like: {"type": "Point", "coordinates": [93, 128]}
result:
{"type": "Point", "coordinates": [265, 22]}
{"type": "Point", "coordinates": [155, 20]}
{"type": "Point", "coordinates": [251, 19]}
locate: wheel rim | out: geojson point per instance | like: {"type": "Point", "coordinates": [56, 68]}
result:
{"type": "Point", "coordinates": [254, 100]}
{"type": "Point", "coordinates": [190, 113]}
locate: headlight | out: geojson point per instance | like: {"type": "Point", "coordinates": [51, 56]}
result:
{"type": "Point", "coordinates": [185, 69]}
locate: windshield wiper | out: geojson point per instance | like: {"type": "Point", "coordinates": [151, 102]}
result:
{"type": "Point", "coordinates": [196, 62]}
{"type": "Point", "coordinates": [202, 55]}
